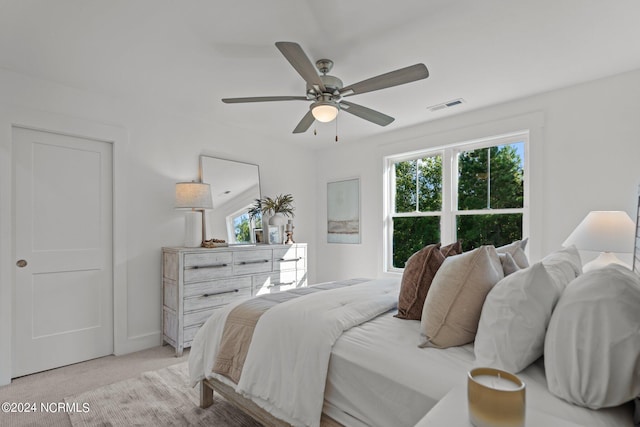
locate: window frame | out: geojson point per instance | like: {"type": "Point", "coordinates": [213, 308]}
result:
{"type": "Point", "coordinates": [449, 210]}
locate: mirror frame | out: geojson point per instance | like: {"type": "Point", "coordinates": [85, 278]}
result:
{"type": "Point", "coordinates": [213, 228]}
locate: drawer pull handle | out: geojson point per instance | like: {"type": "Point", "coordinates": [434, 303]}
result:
{"type": "Point", "coordinates": [260, 261]}
{"type": "Point", "coordinates": [289, 259]}
{"type": "Point", "coordinates": [195, 267]}
{"type": "Point", "coordinates": [273, 285]}
{"type": "Point", "coordinates": [220, 293]}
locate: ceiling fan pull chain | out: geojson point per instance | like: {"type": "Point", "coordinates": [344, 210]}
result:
{"type": "Point", "coordinates": [315, 132]}
{"type": "Point", "coordinates": [336, 129]}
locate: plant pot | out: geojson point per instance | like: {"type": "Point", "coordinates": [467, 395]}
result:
{"type": "Point", "coordinates": [278, 219]}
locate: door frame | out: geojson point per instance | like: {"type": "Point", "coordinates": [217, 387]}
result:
{"type": "Point", "coordinates": [13, 116]}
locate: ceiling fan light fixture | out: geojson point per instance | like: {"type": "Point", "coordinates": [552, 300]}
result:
{"type": "Point", "coordinates": [324, 111]}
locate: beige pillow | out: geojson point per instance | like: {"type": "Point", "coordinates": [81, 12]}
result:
{"type": "Point", "coordinates": [452, 309]}
{"type": "Point", "coordinates": [418, 273]}
{"type": "Point", "coordinates": [516, 250]}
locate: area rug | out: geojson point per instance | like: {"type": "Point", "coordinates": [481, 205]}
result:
{"type": "Point", "coordinates": [155, 398]}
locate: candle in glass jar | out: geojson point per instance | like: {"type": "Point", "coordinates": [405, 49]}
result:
{"type": "Point", "coordinates": [496, 382]}
{"type": "Point", "coordinates": [496, 398]}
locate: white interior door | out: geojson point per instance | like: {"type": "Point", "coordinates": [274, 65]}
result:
{"type": "Point", "coordinates": [63, 308]}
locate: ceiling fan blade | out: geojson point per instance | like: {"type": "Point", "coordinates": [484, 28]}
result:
{"type": "Point", "coordinates": [299, 60]}
{"type": "Point", "coordinates": [366, 113]}
{"type": "Point", "coordinates": [305, 123]}
{"type": "Point", "coordinates": [390, 79]}
{"type": "Point", "coordinates": [263, 99]}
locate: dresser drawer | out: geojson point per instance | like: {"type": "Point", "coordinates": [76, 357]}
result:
{"type": "Point", "coordinates": [189, 334]}
{"type": "Point", "coordinates": [216, 286]}
{"type": "Point", "coordinates": [301, 278]}
{"type": "Point", "coordinates": [286, 259]}
{"type": "Point", "coordinates": [274, 282]}
{"type": "Point", "coordinates": [301, 252]}
{"type": "Point", "coordinates": [215, 299]}
{"type": "Point", "coordinates": [251, 262]}
{"type": "Point", "coordinates": [206, 266]}
{"type": "Point", "coordinates": [197, 318]}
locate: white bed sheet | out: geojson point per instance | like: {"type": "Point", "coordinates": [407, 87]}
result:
{"type": "Point", "coordinates": [379, 377]}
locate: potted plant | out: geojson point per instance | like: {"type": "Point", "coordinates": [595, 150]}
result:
{"type": "Point", "coordinates": [277, 208]}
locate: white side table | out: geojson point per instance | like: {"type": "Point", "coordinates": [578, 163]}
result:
{"type": "Point", "coordinates": [453, 411]}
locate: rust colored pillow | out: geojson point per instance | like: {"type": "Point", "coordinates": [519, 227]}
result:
{"type": "Point", "coordinates": [452, 249]}
{"type": "Point", "coordinates": [416, 281]}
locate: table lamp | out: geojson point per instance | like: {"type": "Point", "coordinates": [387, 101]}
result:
{"type": "Point", "coordinates": [605, 232]}
{"type": "Point", "coordinates": [197, 197]}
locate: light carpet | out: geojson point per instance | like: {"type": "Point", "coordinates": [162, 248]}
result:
{"type": "Point", "coordinates": [155, 398]}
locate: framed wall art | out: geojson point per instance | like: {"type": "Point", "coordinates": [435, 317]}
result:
{"type": "Point", "coordinates": [343, 211]}
{"type": "Point", "coordinates": [636, 246]}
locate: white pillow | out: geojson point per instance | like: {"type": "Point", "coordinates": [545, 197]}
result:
{"type": "Point", "coordinates": [514, 319]}
{"type": "Point", "coordinates": [509, 265]}
{"type": "Point", "coordinates": [563, 265]}
{"type": "Point", "coordinates": [592, 347]}
{"type": "Point", "coordinates": [516, 250]}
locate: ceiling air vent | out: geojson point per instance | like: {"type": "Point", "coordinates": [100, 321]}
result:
{"type": "Point", "coordinates": [447, 104]}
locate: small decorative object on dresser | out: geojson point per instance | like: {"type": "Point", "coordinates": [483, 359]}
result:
{"type": "Point", "coordinates": [278, 209]}
{"type": "Point", "coordinates": [275, 238]}
{"type": "Point", "coordinates": [198, 281]}
{"type": "Point", "coordinates": [288, 229]}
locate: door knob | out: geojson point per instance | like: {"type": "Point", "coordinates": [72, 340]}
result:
{"type": "Point", "coordinates": [21, 263]}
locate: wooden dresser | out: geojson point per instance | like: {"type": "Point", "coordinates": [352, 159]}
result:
{"type": "Point", "coordinates": [198, 281]}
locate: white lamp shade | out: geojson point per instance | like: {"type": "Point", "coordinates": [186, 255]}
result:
{"type": "Point", "coordinates": [193, 195]}
{"type": "Point", "coordinates": [604, 231]}
{"type": "Point", "coordinates": [324, 112]}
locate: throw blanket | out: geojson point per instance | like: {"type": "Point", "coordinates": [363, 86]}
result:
{"type": "Point", "coordinates": [286, 366]}
{"type": "Point", "coordinates": [241, 322]}
{"type": "Point", "coordinates": [207, 341]}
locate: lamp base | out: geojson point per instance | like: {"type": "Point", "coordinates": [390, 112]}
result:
{"type": "Point", "coordinates": [604, 259]}
{"type": "Point", "coordinates": [192, 230]}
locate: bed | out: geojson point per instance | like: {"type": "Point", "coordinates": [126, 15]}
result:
{"type": "Point", "coordinates": [377, 375]}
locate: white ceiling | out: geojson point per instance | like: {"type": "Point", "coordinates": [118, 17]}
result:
{"type": "Point", "coordinates": [186, 55]}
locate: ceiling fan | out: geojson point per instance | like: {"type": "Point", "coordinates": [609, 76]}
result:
{"type": "Point", "coordinates": [327, 92]}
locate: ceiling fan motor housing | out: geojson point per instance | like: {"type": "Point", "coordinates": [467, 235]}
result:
{"type": "Point", "coordinates": [332, 88]}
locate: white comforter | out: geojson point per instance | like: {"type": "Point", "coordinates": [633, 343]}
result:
{"type": "Point", "coordinates": [286, 367]}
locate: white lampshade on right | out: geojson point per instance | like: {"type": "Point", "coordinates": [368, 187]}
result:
{"type": "Point", "coordinates": [607, 232]}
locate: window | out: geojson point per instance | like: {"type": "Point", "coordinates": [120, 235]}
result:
{"type": "Point", "coordinates": [243, 227]}
{"type": "Point", "coordinates": [474, 192]}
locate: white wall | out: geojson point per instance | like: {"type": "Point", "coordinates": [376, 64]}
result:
{"type": "Point", "coordinates": [162, 149]}
{"type": "Point", "coordinates": [585, 156]}
{"type": "Point", "coordinates": [587, 152]}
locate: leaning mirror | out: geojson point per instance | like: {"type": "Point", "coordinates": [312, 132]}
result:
{"type": "Point", "coordinates": [234, 188]}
